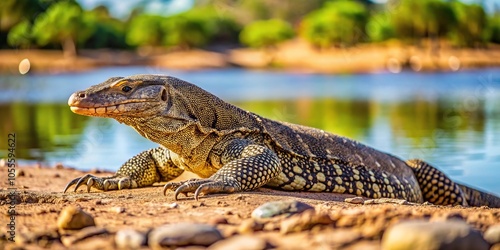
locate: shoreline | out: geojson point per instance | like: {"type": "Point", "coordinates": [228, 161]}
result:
{"type": "Point", "coordinates": [294, 55]}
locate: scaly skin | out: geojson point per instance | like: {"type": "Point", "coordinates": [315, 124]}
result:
{"type": "Point", "coordinates": [234, 150]}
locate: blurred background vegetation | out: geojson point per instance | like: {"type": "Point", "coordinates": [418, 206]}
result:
{"type": "Point", "coordinates": [64, 24]}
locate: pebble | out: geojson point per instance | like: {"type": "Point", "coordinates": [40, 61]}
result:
{"type": "Point", "coordinates": [387, 201]}
{"type": "Point", "coordinates": [183, 234]}
{"type": "Point", "coordinates": [59, 166]}
{"type": "Point", "coordinates": [245, 242]}
{"type": "Point", "coordinates": [304, 221]}
{"type": "Point", "coordinates": [492, 234]}
{"type": "Point", "coordinates": [355, 200]}
{"type": "Point", "coordinates": [275, 208]}
{"type": "Point", "coordinates": [418, 234]}
{"type": "Point", "coordinates": [20, 173]}
{"type": "Point", "coordinates": [117, 210]}
{"type": "Point", "coordinates": [73, 217]}
{"type": "Point", "coordinates": [130, 239]}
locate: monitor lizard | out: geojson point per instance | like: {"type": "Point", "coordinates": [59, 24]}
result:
{"type": "Point", "coordinates": [234, 150]}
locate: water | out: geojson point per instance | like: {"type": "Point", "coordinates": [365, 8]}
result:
{"type": "Point", "coordinates": [449, 119]}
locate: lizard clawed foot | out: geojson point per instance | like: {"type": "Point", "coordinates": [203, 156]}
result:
{"type": "Point", "coordinates": [198, 186]}
{"type": "Point", "coordinates": [101, 183]}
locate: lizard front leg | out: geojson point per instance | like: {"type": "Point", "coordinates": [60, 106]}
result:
{"type": "Point", "coordinates": [144, 169]}
{"type": "Point", "coordinates": [246, 166]}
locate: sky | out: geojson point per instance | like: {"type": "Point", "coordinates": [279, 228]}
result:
{"type": "Point", "coordinates": [121, 8]}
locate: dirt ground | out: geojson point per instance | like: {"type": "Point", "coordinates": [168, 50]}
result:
{"type": "Point", "coordinates": [350, 226]}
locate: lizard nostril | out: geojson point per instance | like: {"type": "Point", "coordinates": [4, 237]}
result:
{"type": "Point", "coordinates": [82, 95]}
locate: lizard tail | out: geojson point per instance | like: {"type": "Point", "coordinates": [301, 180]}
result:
{"type": "Point", "coordinates": [478, 198]}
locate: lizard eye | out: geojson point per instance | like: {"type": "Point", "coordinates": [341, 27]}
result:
{"type": "Point", "coordinates": [126, 89]}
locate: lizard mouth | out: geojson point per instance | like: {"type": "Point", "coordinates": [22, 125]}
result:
{"type": "Point", "coordinates": [113, 109]}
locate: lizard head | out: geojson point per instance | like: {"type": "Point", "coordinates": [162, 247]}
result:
{"type": "Point", "coordinates": [133, 99]}
{"type": "Point", "coordinates": [119, 96]}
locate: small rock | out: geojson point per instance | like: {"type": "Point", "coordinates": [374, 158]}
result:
{"type": "Point", "coordinates": [130, 239]}
{"type": "Point", "coordinates": [417, 234]}
{"type": "Point", "coordinates": [83, 234]}
{"type": "Point", "coordinates": [245, 242]}
{"type": "Point", "coordinates": [387, 201]}
{"type": "Point", "coordinates": [118, 210]}
{"type": "Point", "coordinates": [72, 217]}
{"type": "Point", "coordinates": [183, 234]}
{"type": "Point", "coordinates": [59, 166]}
{"type": "Point", "coordinates": [173, 205]}
{"type": "Point", "coordinates": [305, 221]}
{"type": "Point", "coordinates": [249, 226]}
{"type": "Point", "coordinates": [492, 234]}
{"type": "Point", "coordinates": [20, 173]}
{"type": "Point", "coordinates": [57, 175]}
{"type": "Point", "coordinates": [275, 208]}
{"type": "Point", "coordinates": [355, 200]}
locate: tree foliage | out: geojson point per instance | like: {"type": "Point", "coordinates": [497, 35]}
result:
{"type": "Point", "coordinates": [62, 23]}
{"type": "Point", "coordinates": [337, 23]}
{"type": "Point", "coordinates": [471, 26]}
{"type": "Point", "coordinates": [266, 33]}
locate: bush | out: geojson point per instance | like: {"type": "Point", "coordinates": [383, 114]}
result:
{"type": "Point", "coordinates": [494, 29]}
{"type": "Point", "coordinates": [380, 28]}
{"type": "Point", "coordinates": [20, 35]}
{"type": "Point", "coordinates": [337, 23]}
{"type": "Point", "coordinates": [199, 27]}
{"type": "Point", "coordinates": [472, 24]}
{"type": "Point", "coordinates": [145, 30]}
{"type": "Point", "coordinates": [416, 19]}
{"type": "Point", "coordinates": [266, 33]}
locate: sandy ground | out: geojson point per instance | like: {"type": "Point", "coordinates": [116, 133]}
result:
{"type": "Point", "coordinates": [39, 191]}
{"type": "Point", "coordinates": [295, 55]}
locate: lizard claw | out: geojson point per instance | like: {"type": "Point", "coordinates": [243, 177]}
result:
{"type": "Point", "coordinates": [101, 183]}
{"type": "Point", "coordinates": [198, 186]}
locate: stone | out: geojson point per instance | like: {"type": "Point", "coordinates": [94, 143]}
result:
{"type": "Point", "coordinates": [275, 208]}
{"type": "Point", "coordinates": [243, 242]}
{"type": "Point", "coordinates": [355, 200]}
{"type": "Point", "coordinates": [74, 218]}
{"type": "Point", "coordinates": [183, 234]}
{"type": "Point", "coordinates": [444, 235]}
{"type": "Point", "coordinates": [492, 234]}
{"type": "Point", "coordinates": [130, 239]}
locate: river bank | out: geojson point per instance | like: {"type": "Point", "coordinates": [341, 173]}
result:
{"type": "Point", "coordinates": [294, 55]}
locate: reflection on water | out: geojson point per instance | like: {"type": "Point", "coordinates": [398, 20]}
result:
{"type": "Point", "coordinates": [450, 120]}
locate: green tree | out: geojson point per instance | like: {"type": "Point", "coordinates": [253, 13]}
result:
{"type": "Point", "coordinates": [415, 19]}
{"type": "Point", "coordinates": [337, 23]}
{"type": "Point", "coordinates": [145, 30]}
{"type": "Point", "coordinates": [379, 27]}
{"type": "Point", "coordinates": [105, 31]}
{"type": "Point", "coordinates": [21, 36]}
{"type": "Point", "coordinates": [61, 23]}
{"type": "Point", "coordinates": [494, 29]}
{"type": "Point", "coordinates": [472, 24]}
{"type": "Point", "coordinates": [199, 27]}
{"type": "Point", "coordinates": [266, 33]}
